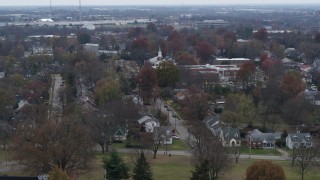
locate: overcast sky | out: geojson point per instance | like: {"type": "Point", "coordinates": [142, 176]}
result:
{"type": "Point", "coordinates": [150, 2]}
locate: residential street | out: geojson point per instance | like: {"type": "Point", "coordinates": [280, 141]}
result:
{"type": "Point", "coordinates": [175, 122]}
{"type": "Point", "coordinates": [55, 102]}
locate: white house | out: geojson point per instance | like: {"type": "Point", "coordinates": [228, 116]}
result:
{"type": "Point", "coordinates": [148, 123]}
{"type": "Point", "coordinates": [296, 140]}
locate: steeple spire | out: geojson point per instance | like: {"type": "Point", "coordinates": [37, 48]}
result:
{"type": "Point", "coordinates": [160, 54]}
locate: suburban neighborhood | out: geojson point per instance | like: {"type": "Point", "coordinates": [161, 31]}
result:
{"type": "Point", "coordinates": [152, 92]}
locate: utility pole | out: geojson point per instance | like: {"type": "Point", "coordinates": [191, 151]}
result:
{"type": "Point", "coordinates": [80, 14]}
{"type": "Point", "coordinates": [50, 9]}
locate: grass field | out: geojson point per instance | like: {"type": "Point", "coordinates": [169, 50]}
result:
{"type": "Point", "coordinates": [246, 150]}
{"type": "Point", "coordinates": [176, 145]}
{"type": "Point", "coordinates": [178, 168]}
{"type": "Point", "coordinates": [163, 168]}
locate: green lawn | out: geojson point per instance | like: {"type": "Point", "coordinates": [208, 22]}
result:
{"type": "Point", "coordinates": [177, 145]}
{"type": "Point", "coordinates": [164, 167]}
{"type": "Point", "coordinates": [246, 150]}
{"type": "Point", "coordinates": [179, 167]}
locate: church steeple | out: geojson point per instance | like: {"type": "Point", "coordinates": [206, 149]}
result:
{"type": "Point", "coordinates": [159, 54]}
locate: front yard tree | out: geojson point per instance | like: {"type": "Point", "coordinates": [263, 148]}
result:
{"type": "Point", "coordinates": [98, 127]}
{"type": "Point", "coordinates": [158, 139]}
{"type": "Point", "coordinates": [142, 169]}
{"type": "Point", "coordinates": [148, 82]}
{"type": "Point", "coordinates": [304, 157]}
{"type": "Point", "coordinates": [235, 151]}
{"type": "Point", "coordinates": [115, 168]}
{"type": "Point", "coordinates": [209, 148]}
{"type": "Point", "coordinates": [167, 74]}
{"type": "Point", "coordinates": [264, 170]}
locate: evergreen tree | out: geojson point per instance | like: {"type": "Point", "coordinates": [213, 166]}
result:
{"type": "Point", "coordinates": [142, 169]}
{"type": "Point", "coordinates": [201, 172]}
{"type": "Point", "coordinates": [115, 168]}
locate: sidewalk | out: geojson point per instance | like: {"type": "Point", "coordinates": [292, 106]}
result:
{"type": "Point", "coordinates": [283, 152]}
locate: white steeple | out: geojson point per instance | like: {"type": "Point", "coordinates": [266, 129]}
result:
{"type": "Point", "coordinates": [159, 54]}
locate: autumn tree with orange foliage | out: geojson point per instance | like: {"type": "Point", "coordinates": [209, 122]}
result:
{"type": "Point", "coordinates": [204, 51]}
{"type": "Point", "coordinates": [246, 74]}
{"type": "Point", "coordinates": [184, 58]}
{"type": "Point", "coordinates": [196, 104]}
{"type": "Point", "coordinates": [292, 84]}
{"type": "Point", "coordinates": [148, 83]}
{"type": "Point", "coordinates": [139, 48]}
{"type": "Point", "coordinates": [264, 170]}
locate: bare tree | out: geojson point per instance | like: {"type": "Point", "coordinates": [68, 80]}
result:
{"type": "Point", "coordinates": [98, 128]}
{"type": "Point", "coordinates": [207, 147]}
{"type": "Point", "coordinates": [65, 144]}
{"type": "Point", "coordinates": [304, 157]}
{"type": "Point", "coordinates": [235, 151]}
{"type": "Point", "coordinates": [158, 139]}
{"type": "Point", "coordinates": [293, 156]}
{"type": "Point", "coordinates": [110, 116]}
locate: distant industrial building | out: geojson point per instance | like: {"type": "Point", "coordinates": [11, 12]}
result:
{"type": "Point", "coordinates": [212, 23]}
{"type": "Point", "coordinates": [232, 61]}
{"type": "Point", "coordinates": [92, 48]}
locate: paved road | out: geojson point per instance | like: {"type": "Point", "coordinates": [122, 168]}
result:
{"type": "Point", "coordinates": [189, 153]}
{"type": "Point", "coordinates": [55, 101]}
{"type": "Point", "coordinates": [175, 122]}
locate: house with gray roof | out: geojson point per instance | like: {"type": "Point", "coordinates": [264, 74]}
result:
{"type": "Point", "coordinates": [296, 140]}
{"type": "Point", "coordinates": [257, 139]}
{"type": "Point", "coordinates": [230, 137]}
{"type": "Point", "coordinates": [117, 133]}
{"type": "Point", "coordinates": [148, 123]}
{"type": "Point", "coordinates": [213, 124]}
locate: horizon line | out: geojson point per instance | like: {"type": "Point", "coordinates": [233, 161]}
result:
{"type": "Point", "coordinates": [187, 4]}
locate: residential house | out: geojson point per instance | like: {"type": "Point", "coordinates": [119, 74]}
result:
{"type": "Point", "coordinates": [296, 140]}
{"type": "Point", "coordinates": [148, 123]}
{"type": "Point", "coordinates": [230, 137]}
{"type": "Point", "coordinates": [166, 133]}
{"type": "Point", "coordinates": [313, 97]}
{"type": "Point", "coordinates": [117, 133]}
{"type": "Point", "coordinates": [257, 139]}
{"type": "Point", "coordinates": [213, 124]}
